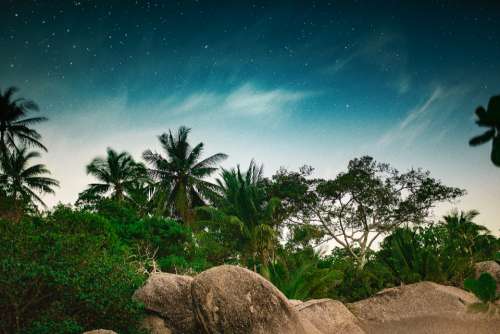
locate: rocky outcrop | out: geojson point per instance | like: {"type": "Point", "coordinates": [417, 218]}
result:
{"type": "Point", "coordinates": [230, 299]}
{"type": "Point", "coordinates": [169, 296]}
{"type": "Point", "coordinates": [423, 308]}
{"type": "Point", "coordinates": [329, 316]}
{"type": "Point", "coordinates": [412, 301]}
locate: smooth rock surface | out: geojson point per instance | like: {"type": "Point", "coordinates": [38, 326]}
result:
{"type": "Point", "coordinates": [230, 299]}
{"type": "Point", "coordinates": [155, 325]}
{"type": "Point", "coordinates": [414, 300]}
{"type": "Point", "coordinates": [169, 296]}
{"type": "Point", "coordinates": [423, 308]}
{"type": "Point", "coordinates": [329, 316]}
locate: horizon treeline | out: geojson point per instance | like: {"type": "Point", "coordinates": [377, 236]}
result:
{"type": "Point", "coordinates": [76, 266]}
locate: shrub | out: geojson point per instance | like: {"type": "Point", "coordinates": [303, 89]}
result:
{"type": "Point", "coordinates": [300, 275]}
{"type": "Point", "coordinates": [64, 274]}
{"type": "Point", "coordinates": [485, 287]}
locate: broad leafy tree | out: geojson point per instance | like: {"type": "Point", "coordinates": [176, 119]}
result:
{"type": "Point", "coordinates": [181, 174]}
{"type": "Point", "coordinates": [15, 126]}
{"type": "Point", "coordinates": [371, 199]}
{"type": "Point", "coordinates": [489, 118]}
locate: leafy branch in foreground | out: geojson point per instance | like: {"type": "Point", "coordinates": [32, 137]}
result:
{"type": "Point", "coordinates": [489, 118]}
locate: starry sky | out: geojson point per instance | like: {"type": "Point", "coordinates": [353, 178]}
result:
{"type": "Point", "coordinates": [285, 82]}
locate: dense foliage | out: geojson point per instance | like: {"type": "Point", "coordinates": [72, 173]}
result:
{"type": "Point", "coordinates": [65, 273]}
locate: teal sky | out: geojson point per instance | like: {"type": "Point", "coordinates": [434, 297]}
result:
{"type": "Point", "coordinates": [285, 83]}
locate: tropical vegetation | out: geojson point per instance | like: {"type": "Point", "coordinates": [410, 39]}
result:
{"type": "Point", "coordinates": [74, 267]}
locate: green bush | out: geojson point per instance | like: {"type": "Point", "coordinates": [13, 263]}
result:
{"type": "Point", "coordinates": [167, 240]}
{"type": "Point", "coordinates": [410, 258]}
{"type": "Point", "coordinates": [66, 273]}
{"type": "Point", "coordinates": [485, 287]}
{"type": "Point", "coordinates": [300, 275]}
{"type": "Point", "coordinates": [360, 284]}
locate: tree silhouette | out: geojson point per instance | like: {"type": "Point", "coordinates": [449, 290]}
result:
{"type": "Point", "coordinates": [489, 118]}
{"type": "Point", "coordinates": [21, 183]}
{"type": "Point", "coordinates": [117, 173]}
{"type": "Point", "coordinates": [180, 175]}
{"type": "Point", "coordinates": [14, 126]}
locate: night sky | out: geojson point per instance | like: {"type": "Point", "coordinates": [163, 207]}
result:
{"type": "Point", "coordinates": [287, 83]}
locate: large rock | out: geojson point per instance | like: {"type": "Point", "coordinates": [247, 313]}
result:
{"type": "Point", "coordinates": [155, 325]}
{"type": "Point", "coordinates": [412, 301]}
{"type": "Point", "coordinates": [169, 296]}
{"type": "Point", "coordinates": [329, 316]}
{"type": "Point", "coordinates": [490, 267]}
{"type": "Point", "coordinates": [423, 308]}
{"type": "Point", "coordinates": [230, 299]}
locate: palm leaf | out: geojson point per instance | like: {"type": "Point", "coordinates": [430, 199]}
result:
{"type": "Point", "coordinates": [481, 139]}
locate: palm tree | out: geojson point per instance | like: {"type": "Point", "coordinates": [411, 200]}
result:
{"type": "Point", "coordinates": [117, 173]}
{"type": "Point", "coordinates": [243, 210]}
{"type": "Point", "coordinates": [463, 232]}
{"type": "Point", "coordinates": [489, 118]}
{"type": "Point", "coordinates": [23, 184]}
{"type": "Point", "coordinates": [14, 126]}
{"type": "Point", "coordinates": [180, 175]}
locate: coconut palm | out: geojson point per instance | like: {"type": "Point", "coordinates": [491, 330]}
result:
{"type": "Point", "coordinates": [180, 175]}
{"type": "Point", "coordinates": [117, 173]}
{"type": "Point", "coordinates": [463, 232]}
{"type": "Point", "coordinates": [23, 183]}
{"type": "Point", "coordinates": [489, 118]}
{"type": "Point", "coordinates": [243, 210]}
{"type": "Point", "coordinates": [14, 125]}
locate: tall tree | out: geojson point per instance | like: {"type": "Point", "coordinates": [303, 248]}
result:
{"type": "Point", "coordinates": [14, 125]}
{"type": "Point", "coordinates": [117, 173]}
{"type": "Point", "coordinates": [489, 118]}
{"type": "Point", "coordinates": [23, 183]}
{"type": "Point", "coordinates": [244, 214]}
{"type": "Point", "coordinates": [370, 200]}
{"type": "Point", "coordinates": [180, 175]}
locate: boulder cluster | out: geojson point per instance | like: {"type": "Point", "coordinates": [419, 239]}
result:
{"type": "Point", "coordinates": [231, 299]}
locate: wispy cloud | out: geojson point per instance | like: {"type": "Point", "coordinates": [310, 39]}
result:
{"type": "Point", "coordinates": [245, 100]}
{"type": "Point", "coordinates": [248, 100]}
{"type": "Point", "coordinates": [430, 117]}
{"type": "Point", "coordinates": [386, 51]}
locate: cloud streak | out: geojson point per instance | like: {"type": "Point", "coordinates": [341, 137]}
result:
{"type": "Point", "coordinates": [430, 117]}
{"type": "Point", "coordinates": [386, 51]}
{"type": "Point", "coordinates": [245, 100]}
